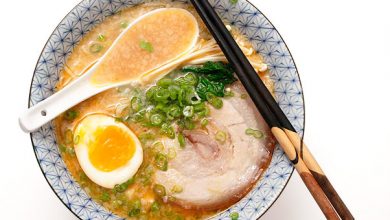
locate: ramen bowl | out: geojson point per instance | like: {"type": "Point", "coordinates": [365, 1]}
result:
{"type": "Point", "coordinates": [247, 19]}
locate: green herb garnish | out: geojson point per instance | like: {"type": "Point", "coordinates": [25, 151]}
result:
{"type": "Point", "coordinates": [181, 139]}
{"type": "Point", "coordinates": [135, 208]}
{"type": "Point", "coordinates": [122, 187]}
{"type": "Point", "coordinates": [161, 161]}
{"type": "Point", "coordinates": [159, 190]}
{"type": "Point", "coordinates": [101, 38]}
{"type": "Point", "coordinates": [146, 46]}
{"type": "Point", "coordinates": [180, 99]}
{"type": "Point", "coordinates": [70, 115]}
{"type": "Point", "coordinates": [105, 197]}
{"type": "Point", "coordinates": [95, 48]}
{"type": "Point", "coordinates": [213, 77]}
{"type": "Point", "coordinates": [255, 133]}
{"type": "Point", "coordinates": [124, 24]}
{"type": "Point", "coordinates": [155, 207]}
{"type": "Point", "coordinates": [234, 216]}
{"type": "Point", "coordinates": [220, 136]}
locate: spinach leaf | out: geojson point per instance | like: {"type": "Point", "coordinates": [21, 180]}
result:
{"type": "Point", "coordinates": [213, 77]}
{"type": "Point", "coordinates": [207, 86]}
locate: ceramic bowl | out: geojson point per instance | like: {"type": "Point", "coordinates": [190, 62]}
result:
{"type": "Point", "coordinates": [243, 15]}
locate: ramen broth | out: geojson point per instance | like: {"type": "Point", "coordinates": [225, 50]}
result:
{"type": "Point", "coordinates": [141, 193]}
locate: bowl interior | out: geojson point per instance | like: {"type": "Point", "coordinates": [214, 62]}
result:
{"type": "Point", "coordinates": [249, 20]}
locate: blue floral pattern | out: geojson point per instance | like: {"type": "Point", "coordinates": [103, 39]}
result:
{"type": "Point", "coordinates": [89, 13]}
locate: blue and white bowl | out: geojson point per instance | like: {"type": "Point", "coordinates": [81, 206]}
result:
{"type": "Point", "coordinates": [248, 19]}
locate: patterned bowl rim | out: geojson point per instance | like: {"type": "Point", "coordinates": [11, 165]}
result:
{"type": "Point", "coordinates": [249, 2]}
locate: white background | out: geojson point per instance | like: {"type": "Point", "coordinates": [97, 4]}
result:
{"type": "Point", "coordinates": [342, 51]}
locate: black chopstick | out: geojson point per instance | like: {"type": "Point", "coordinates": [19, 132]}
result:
{"type": "Point", "coordinates": [225, 47]}
{"type": "Point", "coordinates": [243, 68]}
{"type": "Point", "coordinates": [247, 67]}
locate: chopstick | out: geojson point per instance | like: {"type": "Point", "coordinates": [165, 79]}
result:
{"type": "Point", "coordinates": [301, 147]}
{"type": "Point", "coordinates": [280, 126]}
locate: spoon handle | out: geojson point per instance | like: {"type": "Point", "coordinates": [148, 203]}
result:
{"type": "Point", "coordinates": [59, 102]}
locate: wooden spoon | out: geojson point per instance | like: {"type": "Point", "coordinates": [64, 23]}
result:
{"type": "Point", "coordinates": [150, 42]}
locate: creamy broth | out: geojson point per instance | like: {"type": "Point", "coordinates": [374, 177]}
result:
{"type": "Point", "coordinates": [115, 102]}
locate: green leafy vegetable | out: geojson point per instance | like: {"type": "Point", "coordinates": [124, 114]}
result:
{"type": "Point", "coordinates": [234, 2]}
{"type": "Point", "coordinates": [213, 77]}
{"type": "Point", "coordinates": [180, 99]}
{"type": "Point", "coordinates": [207, 86]}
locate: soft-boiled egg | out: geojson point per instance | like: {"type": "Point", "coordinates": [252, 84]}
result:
{"type": "Point", "coordinates": [108, 151]}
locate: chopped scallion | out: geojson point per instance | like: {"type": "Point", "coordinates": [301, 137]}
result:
{"type": "Point", "coordinates": [70, 115]}
{"type": "Point", "coordinates": [244, 96]}
{"type": "Point", "coordinates": [171, 153]}
{"type": "Point", "coordinates": [146, 46]}
{"type": "Point", "coordinates": [188, 111]}
{"type": "Point", "coordinates": [62, 148]}
{"type": "Point", "coordinates": [255, 133]}
{"type": "Point", "coordinates": [214, 100]}
{"type": "Point", "coordinates": [136, 104]}
{"type": "Point", "coordinates": [155, 207]}
{"type": "Point", "coordinates": [101, 38]}
{"type": "Point", "coordinates": [168, 130]}
{"type": "Point", "coordinates": [220, 136]}
{"type": "Point", "coordinates": [124, 24]}
{"type": "Point", "coordinates": [165, 82]}
{"type": "Point", "coordinates": [173, 112]}
{"type": "Point", "coordinates": [161, 161]}
{"type": "Point", "coordinates": [70, 151]}
{"type": "Point", "coordinates": [161, 95]}
{"type": "Point", "coordinates": [181, 139]}
{"type": "Point", "coordinates": [122, 187]}
{"type": "Point", "coordinates": [233, 2]}
{"type": "Point", "coordinates": [135, 208]}
{"type": "Point", "coordinates": [204, 122]}
{"type": "Point", "coordinates": [105, 197]}
{"type": "Point", "coordinates": [234, 216]}
{"type": "Point", "coordinates": [156, 119]}
{"type": "Point", "coordinates": [68, 136]}
{"type": "Point", "coordinates": [158, 147]}
{"type": "Point", "coordinates": [76, 139]}
{"type": "Point", "coordinates": [159, 190]}
{"type": "Point", "coordinates": [177, 189]}
{"type": "Point", "coordinates": [95, 48]}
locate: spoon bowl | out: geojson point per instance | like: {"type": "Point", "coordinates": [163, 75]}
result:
{"type": "Point", "coordinates": [138, 50]}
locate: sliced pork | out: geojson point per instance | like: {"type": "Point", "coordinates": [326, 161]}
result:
{"type": "Point", "coordinates": [220, 163]}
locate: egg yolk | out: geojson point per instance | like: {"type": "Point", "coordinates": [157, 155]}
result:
{"type": "Point", "coordinates": [111, 148]}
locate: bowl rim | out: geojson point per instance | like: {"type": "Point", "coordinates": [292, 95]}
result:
{"type": "Point", "coordinates": [287, 48]}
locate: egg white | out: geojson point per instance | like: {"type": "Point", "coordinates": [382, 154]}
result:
{"type": "Point", "coordinates": [85, 130]}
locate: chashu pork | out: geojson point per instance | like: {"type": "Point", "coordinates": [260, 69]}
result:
{"type": "Point", "coordinates": [214, 174]}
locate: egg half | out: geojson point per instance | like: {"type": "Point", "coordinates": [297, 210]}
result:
{"type": "Point", "coordinates": [108, 151]}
